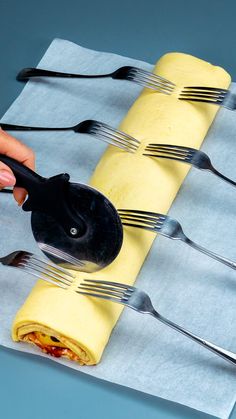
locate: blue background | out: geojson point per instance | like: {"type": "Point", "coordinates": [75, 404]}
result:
{"type": "Point", "coordinates": [32, 387]}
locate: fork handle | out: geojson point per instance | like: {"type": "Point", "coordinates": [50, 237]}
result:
{"type": "Point", "coordinates": [13, 127]}
{"type": "Point", "coordinates": [223, 353]}
{"type": "Point", "coordinates": [207, 252]}
{"type": "Point", "coordinates": [225, 178]}
{"type": "Point", "coordinates": [27, 73]}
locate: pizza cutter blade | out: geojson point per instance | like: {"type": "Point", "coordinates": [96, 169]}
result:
{"type": "Point", "coordinates": [72, 217]}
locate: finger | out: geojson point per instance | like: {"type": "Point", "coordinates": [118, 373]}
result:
{"type": "Point", "coordinates": [7, 178]}
{"type": "Point", "coordinates": [11, 147]}
{"type": "Point", "coordinates": [19, 195]}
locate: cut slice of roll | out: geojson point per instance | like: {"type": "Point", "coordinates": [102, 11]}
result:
{"type": "Point", "coordinates": [63, 323]}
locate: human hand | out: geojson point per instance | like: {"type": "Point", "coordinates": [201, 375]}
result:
{"type": "Point", "coordinates": [11, 147]}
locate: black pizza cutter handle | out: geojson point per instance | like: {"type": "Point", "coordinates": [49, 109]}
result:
{"type": "Point", "coordinates": [47, 195]}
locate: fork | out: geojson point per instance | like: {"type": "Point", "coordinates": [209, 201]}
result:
{"type": "Point", "coordinates": [98, 129]}
{"type": "Point", "coordinates": [213, 95]}
{"type": "Point", "coordinates": [30, 263]}
{"type": "Point", "coordinates": [166, 226]}
{"type": "Point", "coordinates": [134, 74]}
{"type": "Point", "coordinates": [189, 155]}
{"type": "Point", "coordinates": [139, 301]}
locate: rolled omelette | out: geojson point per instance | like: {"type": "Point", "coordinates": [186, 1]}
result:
{"type": "Point", "coordinates": [64, 323]}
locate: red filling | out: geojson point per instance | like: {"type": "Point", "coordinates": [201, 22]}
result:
{"type": "Point", "coordinates": [55, 351]}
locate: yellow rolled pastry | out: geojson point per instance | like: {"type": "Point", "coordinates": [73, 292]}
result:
{"type": "Point", "coordinates": [64, 323]}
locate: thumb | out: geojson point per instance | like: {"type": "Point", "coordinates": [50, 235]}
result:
{"type": "Point", "coordinates": [6, 176]}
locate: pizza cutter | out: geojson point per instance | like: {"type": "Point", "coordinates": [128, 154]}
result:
{"type": "Point", "coordinates": [72, 217]}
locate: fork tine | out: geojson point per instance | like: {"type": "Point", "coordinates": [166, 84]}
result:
{"type": "Point", "coordinates": [54, 268]}
{"type": "Point", "coordinates": [102, 291]}
{"type": "Point", "coordinates": [140, 219]}
{"type": "Point", "coordinates": [152, 85]}
{"type": "Point", "coordinates": [150, 78]}
{"type": "Point", "coordinates": [110, 135]}
{"type": "Point", "coordinates": [172, 146]}
{"type": "Point", "coordinates": [152, 82]}
{"type": "Point", "coordinates": [108, 289]}
{"type": "Point", "coordinates": [109, 283]}
{"type": "Point", "coordinates": [132, 221]}
{"type": "Point", "coordinates": [100, 125]}
{"type": "Point", "coordinates": [170, 155]}
{"type": "Point", "coordinates": [145, 216]}
{"type": "Point", "coordinates": [167, 149]}
{"type": "Point", "coordinates": [49, 273]}
{"type": "Point", "coordinates": [141, 223]}
{"type": "Point", "coordinates": [153, 229]}
{"type": "Point", "coordinates": [122, 143]}
{"type": "Point", "coordinates": [107, 139]}
{"type": "Point", "coordinates": [179, 149]}
{"type": "Point", "coordinates": [43, 273]}
{"type": "Point", "coordinates": [148, 73]}
{"type": "Point", "coordinates": [91, 294]}
{"type": "Point", "coordinates": [112, 283]}
{"type": "Point", "coordinates": [202, 95]}
{"type": "Point", "coordinates": [38, 275]}
{"type": "Point", "coordinates": [145, 84]}
{"type": "Point", "coordinates": [165, 157]}
{"type": "Point", "coordinates": [215, 102]}
{"type": "Point", "coordinates": [147, 213]}
{"type": "Point", "coordinates": [112, 132]}
{"type": "Point", "coordinates": [203, 92]}
{"type": "Point", "coordinates": [148, 81]}
{"type": "Point", "coordinates": [60, 254]}
{"type": "Point", "coordinates": [206, 88]}
{"type": "Point", "coordinates": [98, 286]}
{"type": "Point", "coordinates": [117, 131]}
{"type": "Point", "coordinates": [171, 152]}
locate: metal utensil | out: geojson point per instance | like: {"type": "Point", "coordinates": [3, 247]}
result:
{"type": "Point", "coordinates": [183, 154]}
{"type": "Point", "coordinates": [134, 74]}
{"type": "Point", "coordinates": [212, 95]}
{"type": "Point", "coordinates": [166, 226]}
{"type": "Point", "coordinates": [97, 129]}
{"type": "Point", "coordinates": [139, 301]}
{"type": "Point", "coordinates": [33, 265]}
{"type": "Point", "coordinates": [72, 217]}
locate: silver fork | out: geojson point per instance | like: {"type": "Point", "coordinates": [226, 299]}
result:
{"type": "Point", "coordinates": [137, 75]}
{"type": "Point", "coordinates": [183, 154]}
{"type": "Point", "coordinates": [213, 95]}
{"type": "Point", "coordinates": [139, 301]}
{"type": "Point", "coordinates": [166, 226]}
{"type": "Point", "coordinates": [30, 263]}
{"type": "Point", "coordinates": [98, 129]}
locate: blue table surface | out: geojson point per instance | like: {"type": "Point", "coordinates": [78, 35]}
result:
{"type": "Point", "coordinates": [32, 387]}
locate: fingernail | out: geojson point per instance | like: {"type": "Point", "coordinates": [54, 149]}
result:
{"type": "Point", "coordinates": [21, 202]}
{"type": "Point", "coordinates": [6, 178]}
